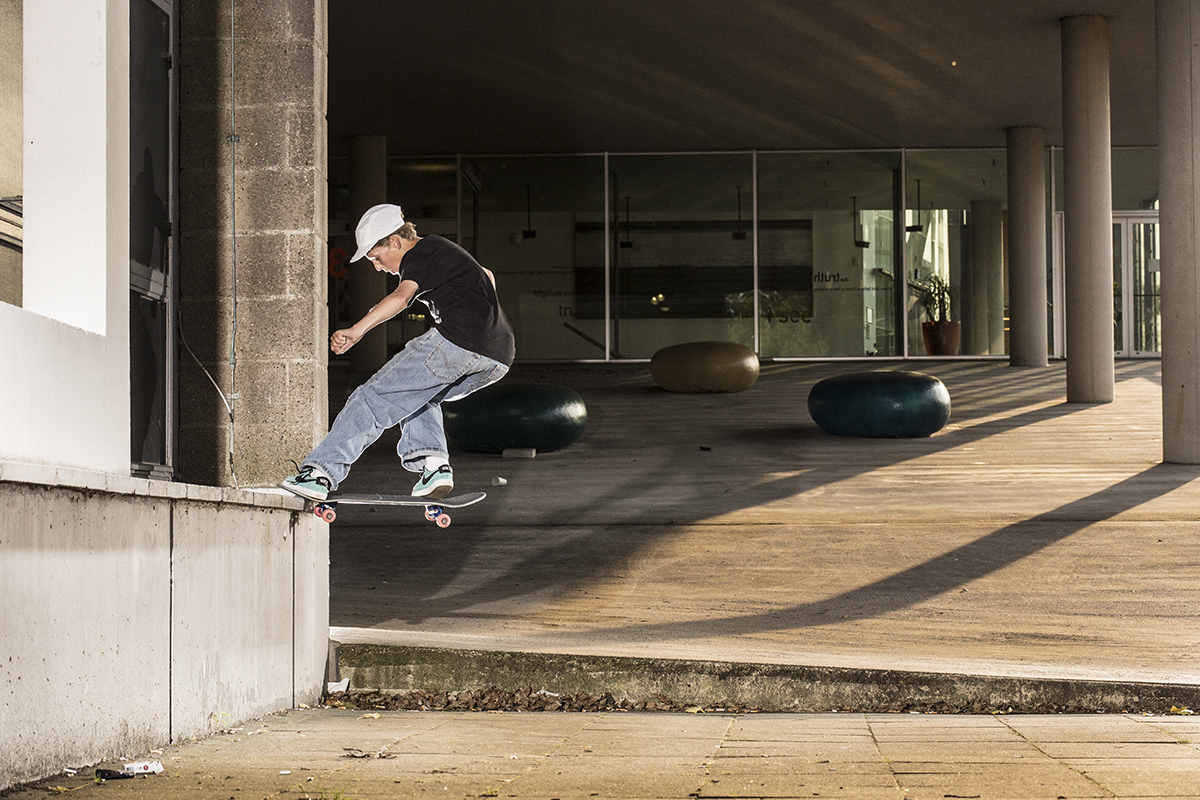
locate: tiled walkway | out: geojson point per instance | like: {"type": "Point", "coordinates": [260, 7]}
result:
{"type": "Point", "coordinates": [355, 756]}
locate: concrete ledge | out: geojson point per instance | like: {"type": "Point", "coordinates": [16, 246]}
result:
{"type": "Point", "coordinates": [145, 612]}
{"type": "Point", "coordinates": [68, 478]}
{"type": "Point", "coordinates": [771, 687]}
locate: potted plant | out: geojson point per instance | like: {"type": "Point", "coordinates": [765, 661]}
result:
{"type": "Point", "coordinates": [942, 335]}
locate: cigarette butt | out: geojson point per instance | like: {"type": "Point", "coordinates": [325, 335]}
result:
{"type": "Point", "coordinates": [498, 481]}
{"type": "Point", "coordinates": [519, 452]}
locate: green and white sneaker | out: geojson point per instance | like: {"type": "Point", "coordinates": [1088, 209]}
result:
{"type": "Point", "coordinates": [435, 484]}
{"type": "Point", "coordinates": [309, 483]}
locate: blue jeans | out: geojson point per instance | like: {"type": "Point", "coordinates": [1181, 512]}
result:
{"type": "Point", "coordinates": [407, 391]}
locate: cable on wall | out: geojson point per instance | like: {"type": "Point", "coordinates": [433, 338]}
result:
{"type": "Point", "coordinates": [232, 139]}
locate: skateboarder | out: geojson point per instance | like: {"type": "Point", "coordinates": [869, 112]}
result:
{"type": "Point", "coordinates": [469, 347]}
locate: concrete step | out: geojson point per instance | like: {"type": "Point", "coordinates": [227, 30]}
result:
{"type": "Point", "coordinates": [763, 687]}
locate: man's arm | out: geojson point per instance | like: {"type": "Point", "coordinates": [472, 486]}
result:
{"type": "Point", "coordinates": [388, 307]}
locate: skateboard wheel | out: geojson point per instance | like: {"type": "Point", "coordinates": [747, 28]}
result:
{"type": "Point", "coordinates": [328, 514]}
{"type": "Point", "coordinates": [443, 520]}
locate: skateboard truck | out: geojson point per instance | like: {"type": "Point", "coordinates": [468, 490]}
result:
{"type": "Point", "coordinates": [433, 512]}
{"type": "Point", "coordinates": [436, 510]}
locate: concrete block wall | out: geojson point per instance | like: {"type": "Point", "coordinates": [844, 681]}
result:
{"type": "Point", "coordinates": [136, 613]}
{"type": "Point", "coordinates": [252, 236]}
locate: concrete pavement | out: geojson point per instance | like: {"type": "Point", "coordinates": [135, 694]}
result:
{"type": "Point", "coordinates": [355, 755]}
{"type": "Point", "coordinates": [1031, 544]}
{"type": "Point", "coordinates": [1032, 539]}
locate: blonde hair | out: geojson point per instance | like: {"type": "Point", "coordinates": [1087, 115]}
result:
{"type": "Point", "coordinates": [407, 231]}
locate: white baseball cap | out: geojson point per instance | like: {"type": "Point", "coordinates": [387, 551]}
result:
{"type": "Point", "coordinates": [378, 222]}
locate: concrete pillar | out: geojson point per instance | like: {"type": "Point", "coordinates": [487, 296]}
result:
{"type": "Point", "coordinates": [368, 187]}
{"type": "Point", "coordinates": [1178, 37]}
{"type": "Point", "coordinates": [1028, 330]}
{"type": "Point", "coordinates": [1087, 210]}
{"type": "Point", "coordinates": [253, 217]}
{"type": "Point", "coordinates": [987, 278]}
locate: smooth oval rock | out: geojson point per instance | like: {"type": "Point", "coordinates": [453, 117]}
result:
{"type": "Point", "coordinates": [888, 404]}
{"type": "Point", "coordinates": [699, 367]}
{"type": "Point", "coordinates": [507, 416]}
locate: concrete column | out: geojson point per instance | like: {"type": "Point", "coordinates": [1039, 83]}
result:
{"type": "Point", "coordinates": [1087, 210]}
{"type": "Point", "coordinates": [253, 218]}
{"type": "Point", "coordinates": [368, 187]}
{"type": "Point", "coordinates": [987, 278]}
{"type": "Point", "coordinates": [1028, 330]}
{"type": "Point", "coordinates": [1178, 37]}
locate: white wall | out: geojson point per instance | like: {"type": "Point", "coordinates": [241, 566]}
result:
{"type": "Point", "coordinates": [66, 353]}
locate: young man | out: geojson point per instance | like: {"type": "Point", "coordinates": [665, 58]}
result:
{"type": "Point", "coordinates": [469, 347]}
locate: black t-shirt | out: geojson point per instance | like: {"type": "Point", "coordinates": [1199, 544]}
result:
{"type": "Point", "coordinates": [460, 298]}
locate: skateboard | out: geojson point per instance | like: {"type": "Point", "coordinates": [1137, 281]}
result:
{"type": "Point", "coordinates": [435, 510]}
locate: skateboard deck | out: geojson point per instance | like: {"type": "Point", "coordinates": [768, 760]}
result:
{"type": "Point", "coordinates": [435, 510]}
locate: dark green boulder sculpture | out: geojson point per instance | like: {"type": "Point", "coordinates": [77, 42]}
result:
{"type": "Point", "coordinates": [882, 404]}
{"type": "Point", "coordinates": [507, 416]}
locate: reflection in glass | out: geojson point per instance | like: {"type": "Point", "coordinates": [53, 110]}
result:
{"type": "Point", "coordinates": [826, 270]}
{"type": "Point", "coordinates": [1137, 309]}
{"type": "Point", "coordinates": [954, 251]}
{"type": "Point", "coordinates": [538, 224]}
{"type": "Point", "coordinates": [151, 297]}
{"type": "Point", "coordinates": [682, 264]}
{"type": "Point", "coordinates": [1147, 307]}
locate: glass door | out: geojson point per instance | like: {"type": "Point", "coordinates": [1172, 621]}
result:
{"type": "Point", "coordinates": [1137, 311]}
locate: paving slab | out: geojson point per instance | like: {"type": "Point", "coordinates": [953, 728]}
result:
{"type": "Point", "coordinates": [310, 754]}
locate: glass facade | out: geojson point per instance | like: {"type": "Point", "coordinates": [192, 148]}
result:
{"type": "Point", "coordinates": [681, 256]}
{"type": "Point", "coordinates": [539, 224]}
{"type": "Point", "coordinates": [889, 254]}
{"type": "Point", "coordinates": [826, 254]}
{"type": "Point", "coordinates": [954, 251]}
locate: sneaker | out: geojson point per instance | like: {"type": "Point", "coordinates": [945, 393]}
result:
{"type": "Point", "coordinates": [310, 483]}
{"type": "Point", "coordinates": [436, 484]}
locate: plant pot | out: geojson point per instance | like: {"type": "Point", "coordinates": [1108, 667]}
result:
{"type": "Point", "coordinates": [942, 338]}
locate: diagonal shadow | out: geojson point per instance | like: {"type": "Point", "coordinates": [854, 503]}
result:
{"type": "Point", "coordinates": [941, 574]}
{"type": "Point", "coordinates": [419, 565]}
{"type": "Point", "coordinates": [433, 560]}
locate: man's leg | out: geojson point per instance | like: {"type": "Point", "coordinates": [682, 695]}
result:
{"type": "Point", "coordinates": [422, 447]}
{"type": "Point", "coordinates": [424, 433]}
{"type": "Point", "coordinates": [400, 389]}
